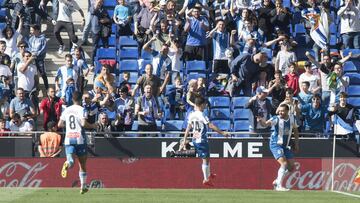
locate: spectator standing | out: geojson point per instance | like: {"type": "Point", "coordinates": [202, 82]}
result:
{"type": "Point", "coordinates": [292, 78]}
{"type": "Point", "coordinates": [260, 107]}
{"type": "Point", "coordinates": [17, 58]}
{"type": "Point", "coordinates": [3, 128]}
{"type": "Point", "coordinates": [305, 95]}
{"type": "Point", "coordinates": [280, 17]}
{"type": "Point", "coordinates": [125, 110]}
{"type": "Point", "coordinates": [27, 73]}
{"type": "Point", "coordinates": [27, 10]}
{"type": "Point", "coordinates": [101, 27]}
{"type": "Point", "coordinates": [244, 70]}
{"type": "Point", "coordinates": [51, 108]}
{"type": "Point", "coordinates": [122, 18]}
{"type": "Point", "coordinates": [350, 24]}
{"type": "Point", "coordinates": [65, 21]}
{"type": "Point", "coordinates": [196, 27]}
{"type": "Point", "coordinates": [284, 57]}
{"type": "Point", "coordinates": [338, 82]}
{"type": "Point", "coordinates": [277, 88]}
{"type": "Point", "coordinates": [148, 110]}
{"type": "Point", "coordinates": [37, 46]}
{"type": "Point", "coordinates": [88, 23]}
{"type": "Point", "coordinates": [314, 115]}
{"type": "Point", "coordinates": [264, 17]}
{"type": "Point", "coordinates": [157, 87]}
{"type": "Point", "coordinates": [54, 4]}
{"type": "Point", "coordinates": [311, 77]}
{"type": "Point", "coordinates": [64, 73]}
{"type": "Point", "coordinates": [21, 105]}
{"type": "Point", "coordinates": [9, 35]}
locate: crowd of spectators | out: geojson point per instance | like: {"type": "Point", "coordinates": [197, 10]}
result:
{"type": "Point", "coordinates": [250, 49]}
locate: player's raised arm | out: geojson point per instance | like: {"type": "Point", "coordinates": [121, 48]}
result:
{"type": "Point", "coordinates": [264, 123]}
{"type": "Point", "coordinates": [187, 132]}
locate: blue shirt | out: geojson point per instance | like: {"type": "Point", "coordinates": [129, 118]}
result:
{"type": "Point", "coordinates": [220, 44]}
{"type": "Point", "coordinates": [21, 107]}
{"type": "Point", "coordinates": [197, 35]}
{"type": "Point", "coordinates": [304, 98]}
{"type": "Point", "coordinates": [121, 12]}
{"type": "Point", "coordinates": [314, 118]}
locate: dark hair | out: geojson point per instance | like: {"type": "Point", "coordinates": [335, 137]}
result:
{"type": "Point", "coordinates": [35, 26]}
{"type": "Point", "coordinates": [200, 101]}
{"type": "Point", "coordinates": [289, 90]}
{"type": "Point", "coordinates": [124, 89]}
{"type": "Point", "coordinates": [76, 97]}
{"type": "Point", "coordinates": [2, 42]}
{"type": "Point", "coordinates": [17, 116]}
{"type": "Point", "coordinates": [343, 94]}
{"type": "Point", "coordinates": [50, 124]}
{"type": "Point", "coordinates": [8, 27]}
{"type": "Point", "coordinates": [317, 96]}
{"type": "Point", "coordinates": [285, 106]}
{"type": "Point", "coordinates": [306, 83]}
{"type": "Point", "coordinates": [68, 56]}
{"type": "Point", "coordinates": [22, 43]}
{"type": "Point", "coordinates": [27, 52]}
{"type": "Point", "coordinates": [278, 72]}
{"type": "Point", "coordinates": [20, 88]}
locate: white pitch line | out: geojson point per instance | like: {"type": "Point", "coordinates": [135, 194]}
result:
{"type": "Point", "coordinates": [348, 194]}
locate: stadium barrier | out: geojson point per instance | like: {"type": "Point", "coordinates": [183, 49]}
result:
{"type": "Point", "coordinates": [160, 147]}
{"type": "Point", "coordinates": [245, 173]}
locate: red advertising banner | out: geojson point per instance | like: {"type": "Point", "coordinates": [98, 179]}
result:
{"type": "Point", "coordinates": [314, 174]}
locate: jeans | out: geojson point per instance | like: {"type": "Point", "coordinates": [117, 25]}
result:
{"type": "Point", "coordinates": [87, 27]}
{"type": "Point", "coordinates": [351, 40]}
{"type": "Point", "coordinates": [69, 27]}
{"type": "Point", "coordinates": [40, 65]}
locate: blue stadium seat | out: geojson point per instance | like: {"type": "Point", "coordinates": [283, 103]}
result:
{"type": "Point", "coordinates": [299, 29]}
{"type": "Point", "coordinates": [146, 55]}
{"type": "Point", "coordinates": [241, 125]}
{"type": "Point", "coordinates": [110, 3]}
{"type": "Point", "coordinates": [354, 78]}
{"type": "Point", "coordinates": [110, 12]}
{"type": "Point", "coordinates": [173, 125]}
{"type": "Point", "coordinates": [112, 41]}
{"type": "Point", "coordinates": [195, 66]}
{"type": "Point", "coordinates": [241, 114]}
{"type": "Point", "coordinates": [222, 125]}
{"type": "Point", "coordinates": [354, 51]}
{"type": "Point", "coordinates": [333, 40]}
{"type": "Point", "coordinates": [2, 13]}
{"type": "Point", "coordinates": [353, 90]}
{"type": "Point", "coordinates": [349, 66]}
{"type": "Point", "coordinates": [114, 29]}
{"type": "Point", "coordinates": [2, 26]}
{"type": "Point", "coordinates": [355, 101]}
{"type": "Point", "coordinates": [128, 53]}
{"type": "Point", "coordinates": [219, 102]}
{"type": "Point", "coordinates": [333, 28]}
{"type": "Point", "coordinates": [219, 113]}
{"type": "Point", "coordinates": [127, 41]}
{"type": "Point", "coordinates": [239, 102]}
{"type": "Point", "coordinates": [296, 17]}
{"type": "Point", "coordinates": [106, 53]}
{"type": "Point", "coordinates": [128, 65]}
{"type": "Point", "coordinates": [287, 3]}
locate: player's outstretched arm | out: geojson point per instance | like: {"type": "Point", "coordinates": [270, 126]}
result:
{"type": "Point", "coordinates": [187, 131]}
{"type": "Point", "coordinates": [85, 124]}
{"type": "Point", "coordinates": [216, 129]}
{"type": "Point", "coordinates": [61, 124]}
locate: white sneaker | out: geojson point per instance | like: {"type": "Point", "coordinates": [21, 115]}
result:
{"type": "Point", "coordinates": [61, 49]}
{"type": "Point", "coordinates": [281, 189]}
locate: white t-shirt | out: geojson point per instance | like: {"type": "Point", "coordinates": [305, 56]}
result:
{"type": "Point", "coordinates": [72, 116]}
{"type": "Point", "coordinates": [66, 8]}
{"type": "Point", "coordinates": [11, 47]}
{"type": "Point", "coordinates": [175, 59]}
{"type": "Point", "coordinates": [26, 79]}
{"type": "Point", "coordinates": [312, 79]}
{"type": "Point", "coordinates": [5, 70]}
{"type": "Point", "coordinates": [284, 58]}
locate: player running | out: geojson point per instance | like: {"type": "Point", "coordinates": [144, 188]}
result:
{"type": "Point", "coordinates": [198, 122]}
{"type": "Point", "coordinates": [285, 125]}
{"type": "Point", "coordinates": [75, 138]}
{"type": "Point", "coordinates": [357, 179]}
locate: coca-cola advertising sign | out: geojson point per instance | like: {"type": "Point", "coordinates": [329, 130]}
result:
{"type": "Point", "coordinates": [245, 173]}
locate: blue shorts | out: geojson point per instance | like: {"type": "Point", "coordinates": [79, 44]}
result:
{"type": "Point", "coordinates": [202, 149]}
{"type": "Point", "coordinates": [78, 149]}
{"type": "Point", "coordinates": [280, 151]}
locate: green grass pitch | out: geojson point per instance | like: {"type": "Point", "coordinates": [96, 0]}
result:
{"type": "Point", "coordinates": [66, 195]}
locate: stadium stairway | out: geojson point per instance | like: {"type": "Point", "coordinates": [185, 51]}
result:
{"type": "Point", "coordinates": [53, 60]}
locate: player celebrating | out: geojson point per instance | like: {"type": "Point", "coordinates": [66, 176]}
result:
{"type": "Point", "coordinates": [198, 122]}
{"type": "Point", "coordinates": [279, 142]}
{"type": "Point", "coordinates": [75, 138]}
